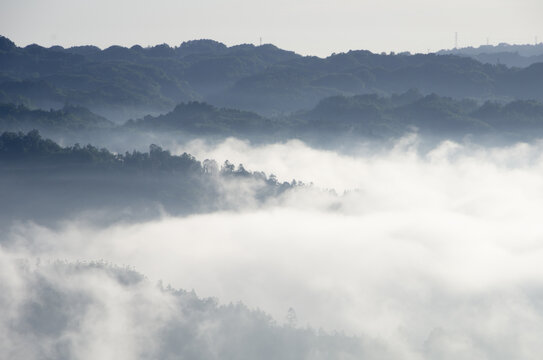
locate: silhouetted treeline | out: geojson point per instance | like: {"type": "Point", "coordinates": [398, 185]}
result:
{"type": "Point", "coordinates": [132, 82]}
{"type": "Point", "coordinates": [40, 179]}
{"type": "Point", "coordinates": [23, 148]}
{"type": "Point", "coordinates": [364, 116]}
{"type": "Point", "coordinates": [126, 82]}
{"type": "Point", "coordinates": [369, 116]}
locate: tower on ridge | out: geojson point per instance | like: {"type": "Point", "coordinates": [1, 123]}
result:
{"type": "Point", "coordinates": [455, 40]}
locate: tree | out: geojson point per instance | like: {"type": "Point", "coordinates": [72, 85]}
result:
{"type": "Point", "coordinates": [291, 317]}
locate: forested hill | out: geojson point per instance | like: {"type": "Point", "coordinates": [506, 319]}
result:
{"type": "Point", "coordinates": [362, 116]}
{"type": "Point", "coordinates": [123, 83]}
{"type": "Point", "coordinates": [204, 119]}
{"type": "Point", "coordinates": [442, 117]}
{"type": "Point", "coordinates": [69, 118]}
{"type": "Point", "coordinates": [510, 55]}
{"type": "Point", "coordinates": [301, 83]}
{"type": "Point", "coordinates": [127, 81]}
{"type": "Point", "coordinates": [42, 180]}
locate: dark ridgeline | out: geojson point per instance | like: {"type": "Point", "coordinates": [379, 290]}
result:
{"type": "Point", "coordinates": [43, 181]}
{"type": "Point", "coordinates": [127, 82]}
{"type": "Point", "coordinates": [122, 83]}
{"type": "Point", "coordinates": [361, 116]}
{"type": "Point", "coordinates": [199, 118]}
{"type": "Point", "coordinates": [370, 117]}
{"type": "Point", "coordinates": [434, 116]}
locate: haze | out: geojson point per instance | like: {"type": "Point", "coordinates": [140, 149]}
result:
{"type": "Point", "coordinates": [307, 27]}
{"type": "Point", "coordinates": [202, 201]}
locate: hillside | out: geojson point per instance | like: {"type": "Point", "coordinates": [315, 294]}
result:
{"type": "Point", "coordinates": [122, 83]}
{"type": "Point", "coordinates": [364, 116]}
{"type": "Point", "coordinates": [42, 180]}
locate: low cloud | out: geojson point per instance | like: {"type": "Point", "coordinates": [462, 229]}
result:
{"type": "Point", "coordinates": [435, 254]}
{"type": "Point", "coordinates": [89, 310]}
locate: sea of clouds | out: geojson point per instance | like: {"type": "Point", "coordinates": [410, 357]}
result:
{"type": "Point", "coordinates": [421, 255]}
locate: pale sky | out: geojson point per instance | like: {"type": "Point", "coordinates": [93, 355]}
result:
{"type": "Point", "coordinates": [309, 27]}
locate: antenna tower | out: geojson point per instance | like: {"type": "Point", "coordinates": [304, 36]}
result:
{"type": "Point", "coordinates": [261, 41]}
{"type": "Point", "coordinates": [455, 40]}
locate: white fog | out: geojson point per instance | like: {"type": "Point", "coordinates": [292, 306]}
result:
{"type": "Point", "coordinates": [431, 255]}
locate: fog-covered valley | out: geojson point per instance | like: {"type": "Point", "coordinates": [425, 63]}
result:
{"type": "Point", "coordinates": [212, 199]}
{"type": "Point", "coordinates": [406, 253]}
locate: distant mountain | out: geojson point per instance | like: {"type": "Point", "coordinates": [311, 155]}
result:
{"type": "Point", "coordinates": [302, 83]}
{"type": "Point", "coordinates": [441, 117]}
{"type": "Point", "coordinates": [201, 118]}
{"type": "Point", "coordinates": [122, 83]}
{"type": "Point", "coordinates": [68, 119]}
{"type": "Point", "coordinates": [370, 116]}
{"type": "Point", "coordinates": [525, 50]}
{"type": "Point", "coordinates": [367, 116]}
{"type": "Point", "coordinates": [510, 55]}
{"type": "Point", "coordinates": [127, 82]}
